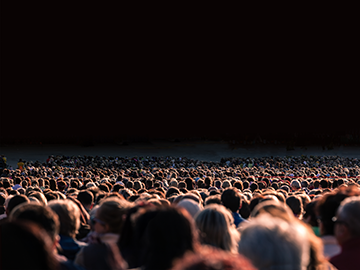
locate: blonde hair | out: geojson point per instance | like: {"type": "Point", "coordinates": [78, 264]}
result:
{"type": "Point", "coordinates": [216, 228]}
{"type": "Point", "coordinates": [69, 216]}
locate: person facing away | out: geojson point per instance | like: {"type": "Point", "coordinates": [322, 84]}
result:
{"type": "Point", "coordinates": [231, 199]}
{"type": "Point", "coordinates": [347, 233]}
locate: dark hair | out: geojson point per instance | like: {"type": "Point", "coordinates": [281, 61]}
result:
{"type": "Point", "coordinates": [85, 197]}
{"type": "Point", "coordinates": [41, 215]}
{"type": "Point", "coordinates": [29, 242]}
{"type": "Point", "coordinates": [326, 209]}
{"type": "Point", "coordinates": [15, 201]}
{"type": "Point", "coordinates": [190, 183]}
{"type": "Point", "coordinates": [213, 199]}
{"type": "Point", "coordinates": [231, 199]}
{"type": "Point", "coordinates": [295, 204]}
{"type": "Point", "coordinates": [162, 235]}
{"type": "Point", "coordinates": [172, 191]}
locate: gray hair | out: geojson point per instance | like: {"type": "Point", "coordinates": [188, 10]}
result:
{"type": "Point", "coordinates": [272, 243]}
{"type": "Point", "coordinates": [349, 212]}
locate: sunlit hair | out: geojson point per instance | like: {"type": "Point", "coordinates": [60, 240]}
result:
{"type": "Point", "coordinates": [274, 208]}
{"type": "Point", "coordinates": [216, 228]}
{"type": "Point", "coordinates": [69, 216]}
{"type": "Point", "coordinates": [273, 243]}
{"type": "Point", "coordinates": [349, 212]}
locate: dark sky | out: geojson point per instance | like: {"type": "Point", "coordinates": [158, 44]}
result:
{"type": "Point", "coordinates": [69, 78]}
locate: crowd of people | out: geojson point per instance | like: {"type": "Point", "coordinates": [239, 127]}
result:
{"type": "Point", "coordinates": [86, 212]}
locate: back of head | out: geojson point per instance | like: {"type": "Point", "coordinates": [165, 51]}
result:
{"type": "Point", "coordinates": [85, 197]}
{"type": "Point", "coordinates": [25, 246]}
{"type": "Point", "coordinates": [349, 213]}
{"type": "Point", "coordinates": [215, 224]}
{"type": "Point", "coordinates": [190, 206]}
{"type": "Point", "coordinates": [69, 216]}
{"type": "Point", "coordinates": [111, 211]}
{"type": "Point", "coordinates": [295, 184]}
{"type": "Point", "coordinates": [231, 199]}
{"type": "Point", "coordinates": [274, 208]}
{"type": "Point", "coordinates": [15, 201]}
{"type": "Point", "coordinates": [40, 215]}
{"type": "Point", "coordinates": [326, 209]}
{"type": "Point", "coordinates": [283, 246]}
{"type": "Point", "coordinates": [295, 204]}
{"type": "Point", "coordinates": [165, 234]}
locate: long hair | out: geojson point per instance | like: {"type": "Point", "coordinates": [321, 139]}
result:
{"type": "Point", "coordinates": [216, 228]}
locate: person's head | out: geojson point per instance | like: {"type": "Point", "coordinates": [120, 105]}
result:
{"type": "Point", "coordinates": [15, 201]}
{"type": "Point", "coordinates": [25, 246]}
{"type": "Point", "coordinates": [347, 223]}
{"type": "Point", "coordinates": [225, 184]}
{"type": "Point", "coordinates": [86, 198]}
{"type": "Point", "coordinates": [283, 245]}
{"type": "Point", "coordinates": [213, 259]}
{"type": "Point", "coordinates": [110, 215]}
{"type": "Point", "coordinates": [214, 199]}
{"type": "Point", "coordinates": [326, 208]}
{"type": "Point", "coordinates": [39, 196]}
{"type": "Point", "coordinates": [43, 216]}
{"type": "Point", "coordinates": [191, 206]}
{"type": "Point", "coordinates": [163, 234]}
{"type": "Point", "coordinates": [231, 199]}
{"type": "Point", "coordinates": [274, 208]}
{"type": "Point", "coordinates": [295, 185]}
{"type": "Point", "coordinates": [295, 204]}
{"type": "Point", "coordinates": [69, 216]}
{"type": "Point", "coordinates": [216, 228]}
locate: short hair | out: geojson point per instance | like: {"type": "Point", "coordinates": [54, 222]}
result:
{"type": "Point", "coordinates": [274, 208]}
{"type": "Point", "coordinates": [284, 245]}
{"type": "Point", "coordinates": [216, 226]}
{"type": "Point", "coordinates": [295, 204]}
{"type": "Point", "coordinates": [15, 201]}
{"type": "Point", "coordinates": [69, 216]}
{"type": "Point", "coordinates": [231, 199]}
{"type": "Point", "coordinates": [295, 183]}
{"type": "Point", "coordinates": [349, 212]}
{"type": "Point", "coordinates": [41, 215]}
{"type": "Point", "coordinates": [213, 199]}
{"type": "Point", "coordinates": [85, 197]}
{"type": "Point", "coordinates": [226, 184]}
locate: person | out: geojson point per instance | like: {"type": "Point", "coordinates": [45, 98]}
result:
{"type": "Point", "coordinates": [13, 202]}
{"type": "Point", "coordinates": [47, 220]}
{"type": "Point", "coordinates": [86, 198]}
{"type": "Point", "coordinates": [103, 252]}
{"type": "Point", "coordinates": [24, 245]}
{"type": "Point", "coordinates": [69, 217]}
{"type": "Point", "coordinates": [21, 165]}
{"type": "Point", "coordinates": [231, 199]}
{"type": "Point", "coordinates": [284, 245]}
{"type": "Point", "coordinates": [160, 235]}
{"type": "Point", "coordinates": [347, 233]}
{"type": "Point", "coordinates": [212, 259]}
{"type": "Point", "coordinates": [325, 209]}
{"type": "Point", "coordinates": [216, 228]}
{"type": "Point", "coordinates": [296, 206]}
{"type": "Point", "coordinates": [295, 185]}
